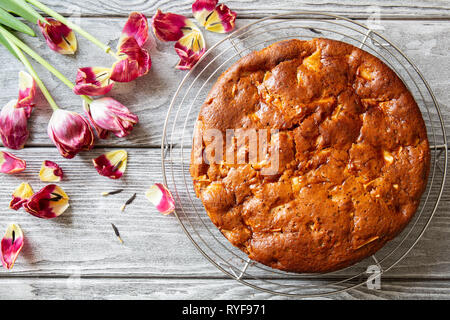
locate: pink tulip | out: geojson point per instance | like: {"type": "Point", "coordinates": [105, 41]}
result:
{"type": "Point", "coordinates": [93, 81]}
{"type": "Point", "coordinates": [14, 116]}
{"type": "Point", "coordinates": [59, 37]}
{"type": "Point", "coordinates": [188, 57]}
{"type": "Point", "coordinates": [106, 114]}
{"type": "Point", "coordinates": [134, 61]}
{"type": "Point", "coordinates": [14, 125]}
{"type": "Point", "coordinates": [70, 132]}
{"type": "Point", "coordinates": [11, 245]}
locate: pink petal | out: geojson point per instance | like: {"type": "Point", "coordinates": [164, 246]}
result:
{"type": "Point", "coordinates": [93, 81]}
{"type": "Point", "coordinates": [11, 164]}
{"type": "Point", "coordinates": [70, 132]}
{"type": "Point", "coordinates": [161, 197]}
{"type": "Point", "coordinates": [135, 27]}
{"type": "Point", "coordinates": [11, 245]}
{"type": "Point", "coordinates": [207, 5]}
{"type": "Point", "coordinates": [188, 58]}
{"type": "Point", "coordinates": [169, 26]}
{"type": "Point", "coordinates": [59, 37]}
{"type": "Point", "coordinates": [14, 125]}
{"type": "Point", "coordinates": [48, 203]}
{"type": "Point", "coordinates": [108, 115]}
{"type": "Point", "coordinates": [135, 62]}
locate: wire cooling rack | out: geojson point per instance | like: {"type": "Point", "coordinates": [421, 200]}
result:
{"type": "Point", "coordinates": [177, 141]}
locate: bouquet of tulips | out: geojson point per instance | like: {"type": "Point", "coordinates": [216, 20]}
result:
{"type": "Point", "coordinates": [70, 131]}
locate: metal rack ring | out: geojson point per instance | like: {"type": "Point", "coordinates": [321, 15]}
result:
{"type": "Point", "coordinates": [182, 115]}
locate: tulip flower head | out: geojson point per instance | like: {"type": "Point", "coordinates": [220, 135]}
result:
{"type": "Point", "coordinates": [213, 16]}
{"type": "Point", "coordinates": [108, 115]}
{"type": "Point", "coordinates": [27, 90]}
{"type": "Point", "coordinates": [134, 62]}
{"type": "Point", "coordinates": [14, 116]}
{"type": "Point", "coordinates": [59, 37]}
{"type": "Point", "coordinates": [10, 164]}
{"type": "Point", "coordinates": [70, 132]}
{"type": "Point", "coordinates": [14, 125]}
{"type": "Point", "coordinates": [93, 81]}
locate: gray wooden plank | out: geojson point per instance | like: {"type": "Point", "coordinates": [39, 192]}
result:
{"type": "Point", "coordinates": [254, 8]}
{"type": "Point", "coordinates": [187, 289]}
{"type": "Point", "coordinates": [426, 42]}
{"type": "Point", "coordinates": [155, 245]}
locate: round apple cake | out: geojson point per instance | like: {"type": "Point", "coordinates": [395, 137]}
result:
{"type": "Point", "coordinates": [345, 143]}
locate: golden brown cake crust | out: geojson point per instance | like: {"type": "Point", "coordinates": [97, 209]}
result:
{"type": "Point", "coordinates": [354, 155]}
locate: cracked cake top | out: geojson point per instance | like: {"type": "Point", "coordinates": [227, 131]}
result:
{"type": "Point", "coordinates": [353, 155]}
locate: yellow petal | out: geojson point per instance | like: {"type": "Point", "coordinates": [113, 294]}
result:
{"type": "Point", "coordinates": [22, 193]}
{"type": "Point", "coordinates": [50, 172]}
{"type": "Point", "coordinates": [112, 164]}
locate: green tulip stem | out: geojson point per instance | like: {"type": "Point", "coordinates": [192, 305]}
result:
{"type": "Point", "coordinates": [18, 43]}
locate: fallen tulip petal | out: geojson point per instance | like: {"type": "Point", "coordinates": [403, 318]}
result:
{"type": "Point", "coordinates": [11, 245]}
{"type": "Point", "coordinates": [170, 26]}
{"type": "Point", "coordinates": [190, 48]}
{"type": "Point", "coordinates": [27, 90]}
{"type": "Point", "coordinates": [112, 164]}
{"type": "Point", "coordinates": [215, 18]}
{"type": "Point", "coordinates": [134, 62]}
{"type": "Point", "coordinates": [161, 197]}
{"type": "Point", "coordinates": [108, 115]}
{"type": "Point", "coordinates": [50, 172]}
{"type": "Point", "coordinates": [21, 196]}
{"type": "Point", "coordinates": [70, 132]}
{"type": "Point", "coordinates": [190, 44]}
{"type": "Point", "coordinates": [193, 40]}
{"type": "Point", "coordinates": [11, 164]}
{"type": "Point", "coordinates": [14, 116]}
{"type": "Point", "coordinates": [93, 81]}
{"type": "Point", "coordinates": [48, 203]}
{"type": "Point", "coordinates": [14, 125]}
{"type": "Point", "coordinates": [59, 37]}
{"type": "Point", "coordinates": [188, 58]}
{"type": "Point", "coordinates": [136, 27]}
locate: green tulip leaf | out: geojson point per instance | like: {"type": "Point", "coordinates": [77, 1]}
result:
{"type": "Point", "coordinates": [7, 45]}
{"type": "Point", "coordinates": [9, 20]}
{"type": "Point", "coordinates": [21, 8]}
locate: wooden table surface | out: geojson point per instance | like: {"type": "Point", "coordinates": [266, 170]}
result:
{"type": "Point", "coordinates": [77, 256]}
